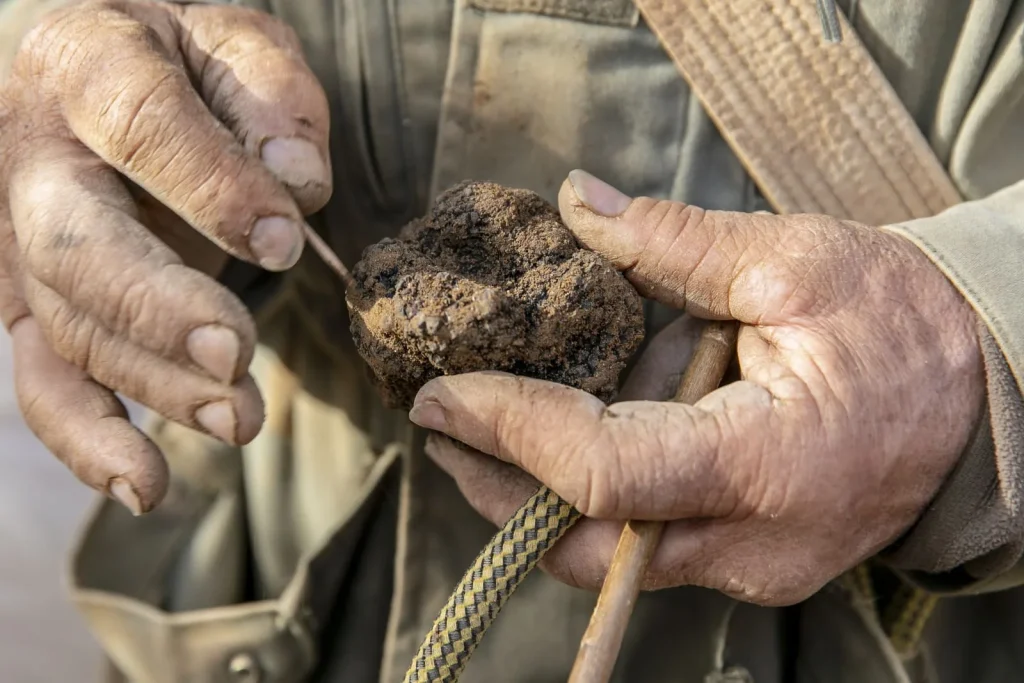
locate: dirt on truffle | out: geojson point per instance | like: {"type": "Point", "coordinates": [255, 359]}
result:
{"type": "Point", "coordinates": [491, 279]}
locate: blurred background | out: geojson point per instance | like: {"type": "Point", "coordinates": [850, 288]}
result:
{"type": "Point", "coordinates": [42, 638]}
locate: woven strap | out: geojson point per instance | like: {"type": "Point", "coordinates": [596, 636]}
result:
{"type": "Point", "coordinates": [816, 124]}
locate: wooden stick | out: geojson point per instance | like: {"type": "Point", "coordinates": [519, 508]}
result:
{"type": "Point", "coordinates": [600, 646]}
{"type": "Point", "coordinates": [328, 256]}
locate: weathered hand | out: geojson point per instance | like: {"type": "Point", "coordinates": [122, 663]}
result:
{"type": "Point", "coordinates": [862, 382]}
{"type": "Point", "coordinates": [141, 143]}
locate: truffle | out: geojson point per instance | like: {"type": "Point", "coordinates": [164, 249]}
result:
{"type": "Point", "coordinates": [491, 279]}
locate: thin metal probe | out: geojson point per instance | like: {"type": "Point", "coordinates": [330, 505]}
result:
{"type": "Point", "coordinates": [328, 256]}
{"type": "Point", "coordinates": [830, 25]}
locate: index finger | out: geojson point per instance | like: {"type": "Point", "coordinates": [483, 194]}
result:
{"type": "Point", "coordinates": [138, 111]}
{"type": "Point", "coordinates": [631, 460]}
{"type": "Point", "coordinates": [252, 74]}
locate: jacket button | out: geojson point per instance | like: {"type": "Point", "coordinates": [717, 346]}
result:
{"type": "Point", "coordinates": [244, 668]}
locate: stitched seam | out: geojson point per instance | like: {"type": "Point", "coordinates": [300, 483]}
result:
{"type": "Point", "coordinates": [925, 177]}
{"type": "Point", "coordinates": [768, 101]}
{"type": "Point", "coordinates": [850, 121]}
{"type": "Point", "coordinates": [623, 13]}
{"type": "Point", "coordinates": [790, 182]}
{"type": "Point", "coordinates": [916, 176]}
{"type": "Point", "coordinates": [665, 25]}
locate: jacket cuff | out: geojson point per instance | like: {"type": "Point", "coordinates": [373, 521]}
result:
{"type": "Point", "coordinates": [970, 539]}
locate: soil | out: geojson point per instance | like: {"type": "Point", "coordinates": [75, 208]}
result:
{"type": "Point", "coordinates": [491, 279]}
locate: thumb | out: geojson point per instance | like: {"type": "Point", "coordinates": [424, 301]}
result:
{"type": "Point", "coordinates": [631, 460]}
{"type": "Point", "coordinates": [676, 253]}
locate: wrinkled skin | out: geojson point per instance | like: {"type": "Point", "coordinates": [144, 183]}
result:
{"type": "Point", "coordinates": [861, 385]}
{"type": "Point", "coordinates": [141, 145]}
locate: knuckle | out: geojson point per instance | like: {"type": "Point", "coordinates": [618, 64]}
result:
{"type": "Point", "coordinates": [132, 304]}
{"type": "Point", "coordinates": [52, 30]}
{"type": "Point", "coordinates": [220, 195]}
{"type": "Point", "coordinates": [56, 41]}
{"type": "Point", "coordinates": [128, 118]}
{"type": "Point", "coordinates": [732, 492]}
{"type": "Point", "coordinates": [591, 471]}
{"type": "Point", "coordinates": [663, 226]}
{"type": "Point", "coordinates": [508, 438]}
{"type": "Point", "coordinates": [73, 335]}
{"type": "Point", "coordinates": [795, 269]}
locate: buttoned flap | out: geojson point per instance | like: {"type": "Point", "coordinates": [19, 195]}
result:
{"type": "Point", "coordinates": [249, 643]}
{"type": "Point", "coordinates": [127, 584]}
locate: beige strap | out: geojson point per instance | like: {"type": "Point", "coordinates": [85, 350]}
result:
{"type": "Point", "coordinates": [816, 124]}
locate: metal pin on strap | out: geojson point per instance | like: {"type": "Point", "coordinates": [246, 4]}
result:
{"type": "Point", "coordinates": [830, 26]}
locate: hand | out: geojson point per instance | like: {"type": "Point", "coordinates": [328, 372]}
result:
{"type": "Point", "coordinates": [862, 382]}
{"type": "Point", "coordinates": [141, 143]}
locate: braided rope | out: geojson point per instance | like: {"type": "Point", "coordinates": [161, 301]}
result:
{"type": "Point", "coordinates": [485, 588]}
{"type": "Point", "coordinates": [906, 618]}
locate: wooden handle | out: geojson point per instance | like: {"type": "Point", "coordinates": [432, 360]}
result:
{"type": "Point", "coordinates": [600, 646]}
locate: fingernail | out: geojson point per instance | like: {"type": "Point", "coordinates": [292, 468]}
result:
{"type": "Point", "coordinates": [124, 494]}
{"type": "Point", "coordinates": [599, 196]}
{"type": "Point", "coordinates": [215, 348]}
{"type": "Point", "coordinates": [294, 161]}
{"type": "Point", "coordinates": [276, 242]}
{"type": "Point", "coordinates": [430, 415]}
{"type": "Point", "coordinates": [218, 418]}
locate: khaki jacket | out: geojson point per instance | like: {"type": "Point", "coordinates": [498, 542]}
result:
{"type": "Point", "coordinates": [322, 551]}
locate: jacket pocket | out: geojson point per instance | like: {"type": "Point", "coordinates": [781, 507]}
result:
{"type": "Point", "coordinates": [535, 88]}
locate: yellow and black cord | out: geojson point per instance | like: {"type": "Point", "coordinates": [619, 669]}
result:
{"type": "Point", "coordinates": [498, 570]}
{"type": "Point", "coordinates": [532, 531]}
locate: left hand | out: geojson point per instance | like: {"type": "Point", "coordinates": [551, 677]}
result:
{"type": "Point", "coordinates": [862, 383]}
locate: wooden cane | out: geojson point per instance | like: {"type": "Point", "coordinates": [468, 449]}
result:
{"type": "Point", "coordinates": [600, 646]}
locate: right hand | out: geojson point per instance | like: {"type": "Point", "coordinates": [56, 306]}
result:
{"type": "Point", "coordinates": [141, 143]}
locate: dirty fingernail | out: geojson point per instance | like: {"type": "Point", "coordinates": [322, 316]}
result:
{"type": "Point", "coordinates": [218, 418]}
{"type": "Point", "coordinates": [599, 196]}
{"type": "Point", "coordinates": [294, 161]}
{"type": "Point", "coordinates": [429, 414]}
{"type": "Point", "coordinates": [215, 348]}
{"type": "Point", "coordinates": [124, 494]}
{"type": "Point", "coordinates": [276, 242]}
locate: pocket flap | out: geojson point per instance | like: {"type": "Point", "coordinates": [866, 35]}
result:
{"type": "Point", "coordinates": [607, 12]}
